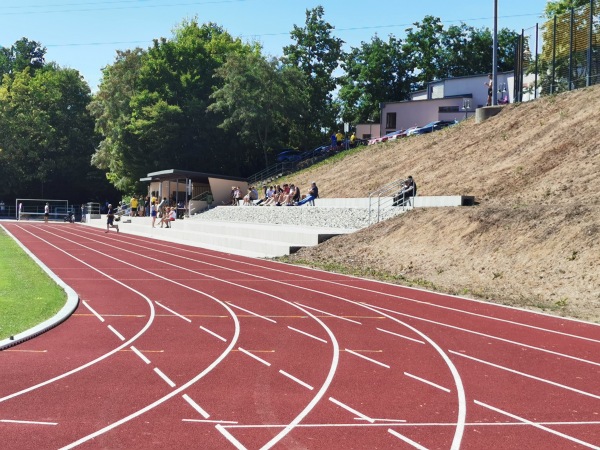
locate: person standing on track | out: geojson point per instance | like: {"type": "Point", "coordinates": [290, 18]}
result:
{"type": "Point", "coordinates": [110, 217]}
{"type": "Point", "coordinates": [46, 213]}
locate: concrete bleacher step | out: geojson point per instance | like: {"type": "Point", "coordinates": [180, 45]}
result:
{"type": "Point", "coordinates": [241, 238]}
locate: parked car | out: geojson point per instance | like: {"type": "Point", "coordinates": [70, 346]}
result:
{"type": "Point", "coordinates": [289, 155]}
{"type": "Point", "coordinates": [432, 126]}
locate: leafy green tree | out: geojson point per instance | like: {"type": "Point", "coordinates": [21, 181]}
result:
{"type": "Point", "coordinates": [260, 101]}
{"type": "Point", "coordinates": [47, 135]}
{"type": "Point", "coordinates": [557, 7]}
{"type": "Point", "coordinates": [21, 55]}
{"type": "Point", "coordinates": [374, 72]}
{"type": "Point", "coordinates": [111, 108]}
{"type": "Point", "coordinates": [317, 53]}
{"type": "Point", "coordinates": [423, 49]}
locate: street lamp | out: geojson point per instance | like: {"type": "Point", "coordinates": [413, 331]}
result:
{"type": "Point", "coordinates": [495, 56]}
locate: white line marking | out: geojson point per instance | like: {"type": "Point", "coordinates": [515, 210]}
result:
{"type": "Point", "coordinates": [196, 406]}
{"type": "Point", "coordinates": [119, 335]}
{"type": "Point", "coordinates": [27, 422]}
{"type": "Point", "coordinates": [423, 380]}
{"type": "Point", "coordinates": [328, 314]}
{"type": "Point", "coordinates": [307, 334]}
{"type": "Point", "coordinates": [92, 310]}
{"type": "Point", "coordinates": [300, 382]}
{"type": "Point", "coordinates": [526, 375]}
{"type": "Point", "coordinates": [140, 354]}
{"type": "Point", "coordinates": [368, 359]}
{"type": "Point", "coordinates": [352, 410]}
{"type": "Point", "coordinates": [252, 313]}
{"type": "Point", "coordinates": [173, 312]}
{"type": "Point", "coordinates": [230, 438]}
{"type": "Point", "coordinates": [407, 440]}
{"type": "Point", "coordinates": [404, 424]}
{"type": "Point", "coordinates": [401, 335]}
{"type": "Point", "coordinates": [537, 425]}
{"type": "Point", "coordinates": [254, 356]}
{"type": "Point", "coordinates": [489, 336]}
{"type": "Point", "coordinates": [164, 377]}
{"type": "Point", "coordinates": [224, 422]}
{"type": "Point", "coordinates": [213, 333]}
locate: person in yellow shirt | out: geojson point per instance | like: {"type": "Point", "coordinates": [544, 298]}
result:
{"type": "Point", "coordinates": [339, 137]}
{"type": "Point", "coordinates": [134, 206]}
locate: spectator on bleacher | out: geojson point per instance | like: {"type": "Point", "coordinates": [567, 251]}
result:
{"type": "Point", "coordinates": [170, 216]}
{"type": "Point", "coordinates": [267, 196]}
{"type": "Point", "coordinates": [276, 191]}
{"type": "Point", "coordinates": [293, 196]}
{"type": "Point", "coordinates": [250, 196]}
{"type": "Point", "coordinates": [282, 197]}
{"type": "Point", "coordinates": [313, 193]}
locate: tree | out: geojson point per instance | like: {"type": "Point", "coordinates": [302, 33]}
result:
{"type": "Point", "coordinates": [21, 55]}
{"type": "Point", "coordinates": [376, 71]}
{"type": "Point", "coordinates": [317, 54]}
{"type": "Point", "coordinates": [557, 7]}
{"type": "Point", "coordinates": [423, 49]}
{"type": "Point", "coordinates": [260, 101]}
{"type": "Point", "coordinates": [47, 135]}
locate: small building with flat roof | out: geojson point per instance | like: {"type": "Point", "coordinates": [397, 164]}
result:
{"type": "Point", "coordinates": [196, 190]}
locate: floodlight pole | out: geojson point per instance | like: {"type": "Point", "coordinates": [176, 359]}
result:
{"type": "Point", "coordinates": [495, 56]}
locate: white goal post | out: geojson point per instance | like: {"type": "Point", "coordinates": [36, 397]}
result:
{"type": "Point", "coordinates": [34, 208]}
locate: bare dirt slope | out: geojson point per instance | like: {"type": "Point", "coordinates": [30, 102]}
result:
{"type": "Point", "coordinates": [532, 240]}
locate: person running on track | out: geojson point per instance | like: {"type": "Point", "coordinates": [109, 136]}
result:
{"type": "Point", "coordinates": [110, 217]}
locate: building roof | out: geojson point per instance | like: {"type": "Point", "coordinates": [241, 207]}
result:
{"type": "Point", "coordinates": [173, 174]}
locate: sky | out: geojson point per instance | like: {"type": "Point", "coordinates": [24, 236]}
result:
{"type": "Point", "coordinates": [85, 34]}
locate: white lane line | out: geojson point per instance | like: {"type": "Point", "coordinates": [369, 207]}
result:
{"type": "Point", "coordinates": [407, 440]}
{"type": "Point", "coordinates": [27, 422]}
{"type": "Point", "coordinates": [213, 333]}
{"type": "Point", "coordinates": [173, 312]}
{"type": "Point", "coordinates": [92, 310]}
{"type": "Point", "coordinates": [140, 354]}
{"type": "Point", "coordinates": [293, 378]}
{"type": "Point", "coordinates": [526, 375]}
{"type": "Point", "coordinates": [488, 336]}
{"type": "Point", "coordinates": [237, 444]}
{"type": "Point", "coordinates": [328, 314]}
{"type": "Point", "coordinates": [254, 356]}
{"type": "Point", "coordinates": [196, 406]}
{"type": "Point", "coordinates": [430, 383]}
{"type": "Point", "coordinates": [352, 410]}
{"type": "Point", "coordinates": [119, 335]}
{"type": "Point", "coordinates": [368, 359]}
{"type": "Point", "coordinates": [537, 425]}
{"type": "Point", "coordinates": [307, 334]}
{"type": "Point", "coordinates": [252, 313]}
{"type": "Point", "coordinates": [404, 424]}
{"type": "Point", "coordinates": [401, 336]}
{"type": "Point", "coordinates": [164, 377]}
{"type": "Point", "coordinates": [223, 422]}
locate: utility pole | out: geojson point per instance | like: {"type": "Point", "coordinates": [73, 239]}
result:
{"type": "Point", "coordinates": [495, 57]}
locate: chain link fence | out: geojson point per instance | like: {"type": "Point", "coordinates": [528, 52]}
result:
{"type": "Point", "coordinates": [560, 55]}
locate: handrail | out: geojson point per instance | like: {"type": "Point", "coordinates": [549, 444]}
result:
{"type": "Point", "coordinates": [382, 196]}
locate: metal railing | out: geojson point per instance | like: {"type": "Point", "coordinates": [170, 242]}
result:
{"type": "Point", "coordinates": [386, 198]}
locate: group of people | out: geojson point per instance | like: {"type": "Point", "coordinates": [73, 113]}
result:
{"type": "Point", "coordinates": [279, 195]}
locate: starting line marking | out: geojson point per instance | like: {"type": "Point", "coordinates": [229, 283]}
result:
{"type": "Point", "coordinates": [253, 313]}
{"type": "Point", "coordinates": [27, 422]}
{"type": "Point", "coordinates": [173, 312]}
{"type": "Point", "coordinates": [536, 425]}
{"type": "Point", "coordinates": [196, 406]}
{"type": "Point", "coordinates": [213, 333]}
{"type": "Point", "coordinates": [92, 310]}
{"type": "Point", "coordinates": [255, 357]}
{"type": "Point", "coordinates": [423, 380]}
{"type": "Point", "coordinates": [293, 378]}
{"type": "Point", "coordinates": [307, 334]}
{"type": "Point", "coordinates": [368, 359]}
{"type": "Point", "coordinates": [352, 410]}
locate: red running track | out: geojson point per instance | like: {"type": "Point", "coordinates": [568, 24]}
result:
{"type": "Point", "coordinates": [180, 347]}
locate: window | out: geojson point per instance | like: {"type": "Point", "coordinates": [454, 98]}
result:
{"type": "Point", "coordinates": [448, 109]}
{"type": "Point", "coordinates": [390, 121]}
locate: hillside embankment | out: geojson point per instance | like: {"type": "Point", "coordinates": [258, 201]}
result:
{"type": "Point", "coordinates": [533, 238]}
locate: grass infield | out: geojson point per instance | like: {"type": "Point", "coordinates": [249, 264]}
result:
{"type": "Point", "coordinates": [28, 296]}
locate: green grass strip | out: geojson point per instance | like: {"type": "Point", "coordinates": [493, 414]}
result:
{"type": "Point", "coordinates": [28, 296]}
